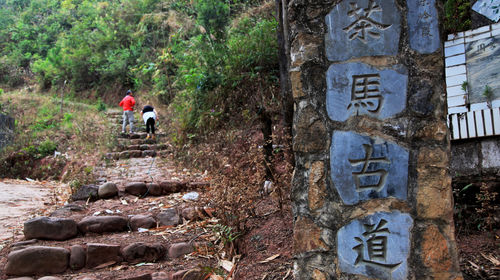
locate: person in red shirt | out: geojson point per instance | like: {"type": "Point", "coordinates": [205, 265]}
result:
{"type": "Point", "coordinates": [127, 104]}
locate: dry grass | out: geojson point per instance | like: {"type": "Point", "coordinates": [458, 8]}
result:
{"type": "Point", "coordinates": [76, 132]}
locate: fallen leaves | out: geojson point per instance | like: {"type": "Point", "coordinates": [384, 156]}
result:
{"type": "Point", "coordinates": [270, 258]}
{"type": "Point", "coordinates": [491, 259]}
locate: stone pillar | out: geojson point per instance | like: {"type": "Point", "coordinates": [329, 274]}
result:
{"type": "Point", "coordinates": [371, 191]}
{"type": "Point", "coordinates": [6, 130]}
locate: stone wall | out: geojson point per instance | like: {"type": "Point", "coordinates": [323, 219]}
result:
{"type": "Point", "coordinates": [6, 130]}
{"type": "Point", "coordinates": [371, 189]}
{"type": "Point", "coordinates": [475, 158]}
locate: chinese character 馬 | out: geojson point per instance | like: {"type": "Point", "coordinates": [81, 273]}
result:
{"type": "Point", "coordinates": [365, 93]}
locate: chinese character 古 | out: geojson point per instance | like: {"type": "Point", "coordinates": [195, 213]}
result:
{"type": "Point", "coordinates": [380, 173]}
{"type": "Point", "coordinates": [363, 24]}
{"type": "Point", "coordinates": [365, 93]}
{"type": "Point", "coordinates": [374, 244]}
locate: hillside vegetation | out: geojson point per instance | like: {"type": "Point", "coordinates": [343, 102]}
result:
{"type": "Point", "coordinates": [207, 59]}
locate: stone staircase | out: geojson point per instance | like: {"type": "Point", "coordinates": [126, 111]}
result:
{"type": "Point", "coordinates": [143, 219]}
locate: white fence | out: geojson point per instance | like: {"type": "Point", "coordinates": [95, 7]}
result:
{"type": "Point", "coordinates": [468, 120]}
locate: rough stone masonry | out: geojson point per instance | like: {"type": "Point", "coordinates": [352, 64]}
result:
{"type": "Point", "coordinates": [6, 130]}
{"type": "Point", "coordinates": [371, 191]}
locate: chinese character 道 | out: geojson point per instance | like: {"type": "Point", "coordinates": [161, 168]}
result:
{"type": "Point", "coordinates": [374, 244]}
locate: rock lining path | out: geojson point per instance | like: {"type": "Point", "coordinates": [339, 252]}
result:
{"type": "Point", "coordinates": [129, 234]}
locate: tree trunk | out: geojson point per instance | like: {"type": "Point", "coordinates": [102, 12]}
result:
{"type": "Point", "coordinates": [283, 55]}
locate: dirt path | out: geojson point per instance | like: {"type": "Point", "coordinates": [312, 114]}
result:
{"type": "Point", "coordinates": [21, 199]}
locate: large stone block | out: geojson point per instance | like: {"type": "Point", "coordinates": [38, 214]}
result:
{"type": "Point", "coordinates": [311, 132]}
{"type": "Point", "coordinates": [169, 187]}
{"type": "Point", "coordinates": [77, 258]}
{"type": "Point", "coordinates": [180, 249]}
{"type": "Point", "coordinates": [362, 28]}
{"type": "Point", "coordinates": [360, 89]}
{"type": "Point", "coordinates": [364, 168]}
{"type": "Point", "coordinates": [86, 192]}
{"type": "Point", "coordinates": [317, 186]}
{"type": "Point", "coordinates": [307, 236]}
{"type": "Point", "coordinates": [377, 246]}
{"type": "Point", "coordinates": [305, 47]}
{"type": "Point", "coordinates": [142, 252]}
{"type": "Point", "coordinates": [98, 254]}
{"type": "Point", "coordinates": [37, 260]}
{"type": "Point", "coordinates": [435, 253]}
{"type": "Point", "coordinates": [107, 190]}
{"type": "Point", "coordinates": [50, 228]}
{"type": "Point", "coordinates": [296, 81]}
{"type": "Point", "coordinates": [464, 160]}
{"type": "Point", "coordinates": [423, 26]}
{"type": "Point", "coordinates": [136, 188]}
{"type": "Point", "coordinates": [168, 217]}
{"type": "Point", "coordinates": [142, 221]}
{"type": "Point", "coordinates": [490, 150]}
{"type": "Point", "coordinates": [102, 224]}
{"type": "Point", "coordinates": [434, 196]}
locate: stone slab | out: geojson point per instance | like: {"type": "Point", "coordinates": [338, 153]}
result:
{"type": "Point", "coordinates": [464, 160]}
{"type": "Point", "coordinates": [483, 58]}
{"type": "Point", "coordinates": [488, 8]}
{"type": "Point", "coordinates": [350, 153]}
{"type": "Point", "coordinates": [388, 237]}
{"type": "Point", "coordinates": [379, 93]}
{"type": "Point", "coordinates": [37, 260]}
{"type": "Point", "coordinates": [7, 126]}
{"type": "Point", "coordinates": [98, 254]}
{"type": "Point", "coordinates": [50, 228]}
{"type": "Point", "coordinates": [373, 30]}
{"type": "Point", "coordinates": [423, 26]}
{"type": "Point", "coordinates": [490, 150]}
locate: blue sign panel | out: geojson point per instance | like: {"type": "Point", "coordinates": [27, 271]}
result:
{"type": "Point", "coordinates": [360, 89]}
{"type": "Point", "coordinates": [362, 28]}
{"type": "Point", "coordinates": [377, 246]}
{"type": "Point", "coordinates": [423, 23]}
{"type": "Point", "coordinates": [364, 168]}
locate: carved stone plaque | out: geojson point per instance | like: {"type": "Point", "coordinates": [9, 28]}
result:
{"type": "Point", "coordinates": [483, 60]}
{"type": "Point", "coordinates": [488, 8]}
{"type": "Point", "coordinates": [360, 89]}
{"type": "Point", "coordinates": [376, 246]}
{"type": "Point", "coordinates": [423, 23]}
{"type": "Point", "coordinates": [362, 28]}
{"type": "Point", "coordinates": [364, 168]}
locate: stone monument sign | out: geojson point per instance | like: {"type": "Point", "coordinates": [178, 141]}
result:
{"type": "Point", "coordinates": [371, 190]}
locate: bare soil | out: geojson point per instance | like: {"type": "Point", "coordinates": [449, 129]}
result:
{"type": "Point", "coordinates": [21, 199]}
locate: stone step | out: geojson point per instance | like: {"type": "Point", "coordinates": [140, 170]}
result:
{"type": "Point", "coordinates": [61, 229]}
{"type": "Point", "coordinates": [140, 135]}
{"type": "Point", "coordinates": [93, 256]}
{"type": "Point", "coordinates": [138, 141]}
{"type": "Point", "coordinates": [109, 189]}
{"type": "Point", "coordinates": [131, 154]}
{"type": "Point", "coordinates": [142, 147]}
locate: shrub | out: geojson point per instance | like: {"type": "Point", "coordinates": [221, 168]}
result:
{"type": "Point", "coordinates": [457, 15]}
{"type": "Point", "coordinates": [252, 46]}
{"type": "Point", "coordinates": [101, 106]}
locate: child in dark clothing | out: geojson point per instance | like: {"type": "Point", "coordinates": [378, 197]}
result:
{"type": "Point", "coordinates": [149, 115]}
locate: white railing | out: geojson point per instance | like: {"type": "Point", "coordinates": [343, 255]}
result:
{"type": "Point", "coordinates": [464, 119]}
